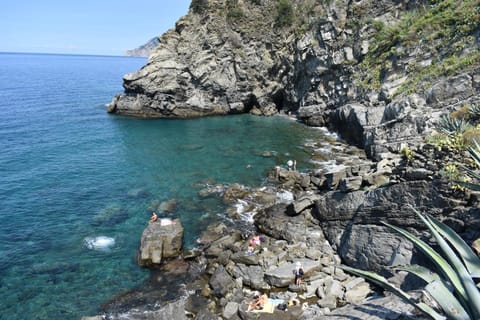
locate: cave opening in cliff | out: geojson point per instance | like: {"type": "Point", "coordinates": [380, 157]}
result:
{"type": "Point", "coordinates": [279, 100]}
{"type": "Point", "coordinates": [251, 103]}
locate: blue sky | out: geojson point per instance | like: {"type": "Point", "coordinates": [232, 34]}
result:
{"type": "Point", "coordinates": [105, 27]}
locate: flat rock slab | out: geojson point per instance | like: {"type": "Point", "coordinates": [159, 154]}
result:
{"type": "Point", "coordinates": [390, 307]}
{"type": "Point", "coordinates": [283, 276]}
{"type": "Point", "coordinates": [161, 239]}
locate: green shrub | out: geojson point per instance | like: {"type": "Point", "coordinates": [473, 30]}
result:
{"type": "Point", "coordinates": [407, 153]}
{"type": "Point", "coordinates": [234, 12]}
{"type": "Point", "coordinates": [446, 24]}
{"type": "Point", "coordinates": [462, 113]}
{"type": "Point", "coordinates": [285, 14]}
{"type": "Point", "coordinates": [471, 135]}
{"type": "Point", "coordinates": [199, 6]}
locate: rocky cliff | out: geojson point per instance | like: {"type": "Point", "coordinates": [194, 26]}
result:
{"type": "Point", "coordinates": [378, 72]}
{"type": "Point", "coordinates": [144, 50]}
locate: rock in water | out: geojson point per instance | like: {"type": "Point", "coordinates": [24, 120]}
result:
{"type": "Point", "coordinates": [161, 239]}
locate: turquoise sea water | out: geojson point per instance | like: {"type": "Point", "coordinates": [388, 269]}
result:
{"type": "Point", "coordinates": [70, 171]}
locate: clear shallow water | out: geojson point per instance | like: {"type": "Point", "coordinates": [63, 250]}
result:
{"type": "Point", "coordinates": [70, 171]}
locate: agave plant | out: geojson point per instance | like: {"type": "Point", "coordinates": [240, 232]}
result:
{"type": "Point", "coordinates": [453, 287]}
{"type": "Point", "coordinates": [451, 126]}
{"type": "Point", "coordinates": [474, 152]}
{"type": "Point", "coordinates": [474, 111]}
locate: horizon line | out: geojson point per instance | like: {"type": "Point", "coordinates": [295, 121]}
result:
{"type": "Point", "coordinates": [71, 54]}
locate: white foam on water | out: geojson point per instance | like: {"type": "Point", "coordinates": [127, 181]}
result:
{"type": "Point", "coordinates": [100, 243]}
{"type": "Point", "coordinates": [241, 206]}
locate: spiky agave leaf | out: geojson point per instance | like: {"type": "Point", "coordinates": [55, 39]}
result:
{"type": "Point", "coordinates": [449, 303]}
{"type": "Point", "coordinates": [382, 282]}
{"type": "Point", "coordinates": [450, 126]}
{"type": "Point", "coordinates": [474, 111]}
{"type": "Point", "coordinates": [439, 290]}
{"type": "Point", "coordinates": [468, 293]}
{"type": "Point", "coordinates": [474, 152]}
{"type": "Point", "coordinates": [436, 258]}
{"type": "Point", "coordinates": [423, 273]}
{"type": "Point", "coordinates": [469, 185]}
{"type": "Point", "coordinates": [470, 259]}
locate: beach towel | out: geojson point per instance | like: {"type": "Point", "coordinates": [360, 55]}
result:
{"type": "Point", "coordinates": [269, 306]}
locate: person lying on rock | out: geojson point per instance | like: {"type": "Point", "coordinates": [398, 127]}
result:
{"type": "Point", "coordinates": [250, 251]}
{"type": "Point", "coordinates": [258, 303]}
{"type": "Point", "coordinates": [256, 240]}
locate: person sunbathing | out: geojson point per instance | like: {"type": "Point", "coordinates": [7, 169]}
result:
{"type": "Point", "coordinates": [258, 303]}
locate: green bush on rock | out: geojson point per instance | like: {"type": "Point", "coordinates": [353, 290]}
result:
{"type": "Point", "coordinates": [284, 13]}
{"type": "Point", "coordinates": [199, 6]}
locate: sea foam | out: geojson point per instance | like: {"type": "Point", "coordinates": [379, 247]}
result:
{"type": "Point", "coordinates": [100, 243]}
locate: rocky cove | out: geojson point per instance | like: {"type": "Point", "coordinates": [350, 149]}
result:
{"type": "Point", "coordinates": [320, 218]}
{"type": "Point", "coordinates": [345, 65]}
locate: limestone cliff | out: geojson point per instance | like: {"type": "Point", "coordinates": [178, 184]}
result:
{"type": "Point", "coordinates": [379, 72]}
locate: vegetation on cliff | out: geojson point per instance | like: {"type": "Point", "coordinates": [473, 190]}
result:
{"type": "Point", "coordinates": [442, 34]}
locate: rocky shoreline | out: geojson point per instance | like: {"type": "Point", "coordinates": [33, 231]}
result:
{"type": "Point", "coordinates": [320, 218]}
{"type": "Point", "coordinates": [356, 68]}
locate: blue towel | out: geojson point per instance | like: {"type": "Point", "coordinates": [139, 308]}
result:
{"type": "Point", "coordinates": [276, 302]}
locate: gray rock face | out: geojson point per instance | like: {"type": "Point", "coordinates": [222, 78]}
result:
{"type": "Point", "coordinates": [160, 241]}
{"type": "Point", "coordinates": [204, 68]}
{"type": "Point", "coordinates": [275, 222]}
{"type": "Point", "coordinates": [351, 221]}
{"type": "Point", "coordinates": [375, 308]}
{"type": "Point", "coordinates": [211, 64]}
{"type": "Point", "coordinates": [283, 275]}
{"type": "Point", "coordinates": [221, 282]}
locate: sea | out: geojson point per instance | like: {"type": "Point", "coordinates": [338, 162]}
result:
{"type": "Point", "coordinates": [78, 185]}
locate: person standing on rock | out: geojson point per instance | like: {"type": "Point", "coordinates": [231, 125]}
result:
{"type": "Point", "coordinates": [298, 273]}
{"type": "Point", "coordinates": [292, 165]}
{"type": "Point", "coordinates": [277, 172]}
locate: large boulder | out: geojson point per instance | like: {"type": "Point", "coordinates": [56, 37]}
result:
{"type": "Point", "coordinates": [221, 282]}
{"type": "Point", "coordinates": [283, 275]}
{"type": "Point", "coordinates": [275, 222]}
{"type": "Point", "coordinates": [352, 221]}
{"type": "Point", "coordinates": [161, 239]}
